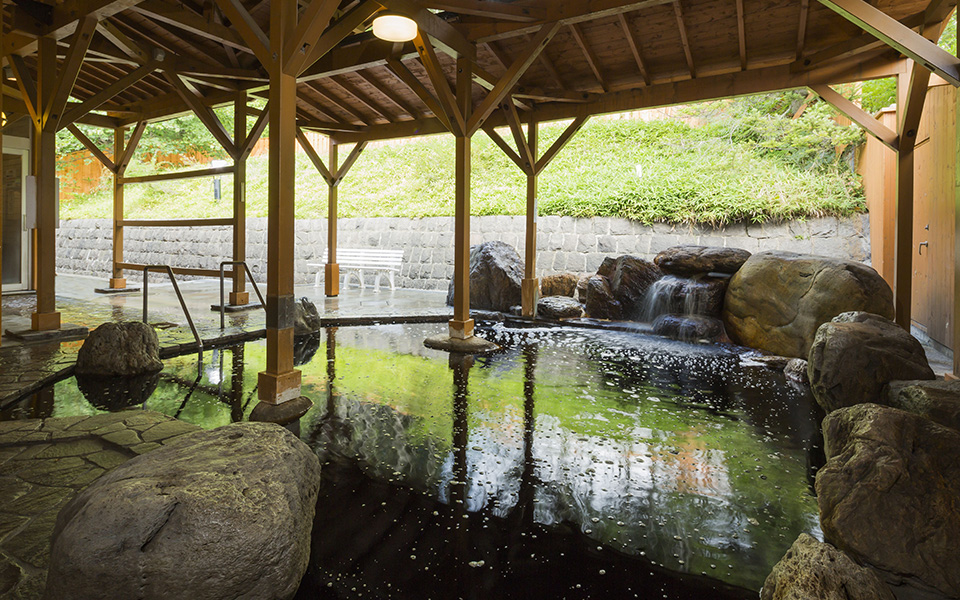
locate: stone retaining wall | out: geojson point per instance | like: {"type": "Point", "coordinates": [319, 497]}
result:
{"type": "Point", "coordinates": [565, 244]}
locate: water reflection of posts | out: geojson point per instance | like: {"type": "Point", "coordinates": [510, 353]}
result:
{"type": "Point", "coordinates": [331, 370]}
{"type": "Point", "coordinates": [236, 383]}
{"type": "Point", "coordinates": [460, 364]}
{"type": "Point", "coordinates": [524, 510]}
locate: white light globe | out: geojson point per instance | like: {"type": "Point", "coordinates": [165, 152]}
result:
{"type": "Point", "coordinates": [394, 28]}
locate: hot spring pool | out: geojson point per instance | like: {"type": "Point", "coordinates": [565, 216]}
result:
{"type": "Point", "coordinates": [577, 463]}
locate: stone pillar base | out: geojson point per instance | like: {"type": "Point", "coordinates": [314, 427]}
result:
{"type": "Point", "coordinates": [281, 414]}
{"type": "Point", "coordinates": [331, 279]}
{"type": "Point", "coordinates": [530, 294]}
{"type": "Point", "coordinates": [118, 283]}
{"type": "Point", "coordinates": [277, 389]}
{"type": "Point", "coordinates": [239, 298]}
{"type": "Point", "coordinates": [45, 321]}
{"type": "Point", "coordinates": [461, 330]}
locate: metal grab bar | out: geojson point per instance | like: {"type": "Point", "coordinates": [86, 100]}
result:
{"type": "Point", "coordinates": [176, 288]}
{"type": "Point", "coordinates": [256, 288]}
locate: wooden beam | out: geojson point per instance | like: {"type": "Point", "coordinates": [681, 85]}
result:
{"type": "Point", "coordinates": [802, 27]}
{"type": "Point", "coordinates": [254, 136]}
{"type": "Point", "coordinates": [530, 285]}
{"type": "Point", "coordinates": [512, 76]}
{"type": "Point", "coordinates": [130, 148]}
{"type": "Point", "coordinates": [488, 81]}
{"type": "Point", "coordinates": [206, 115]}
{"type": "Point", "coordinates": [28, 87]}
{"type": "Point", "coordinates": [74, 112]}
{"type": "Point", "coordinates": [499, 141]}
{"type": "Point", "coordinates": [67, 75]}
{"type": "Point", "coordinates": [89, 145]}
{"type": "Point", "coordinates": [404, 74]}
{"type": "Point", "coordinates": [314, 157]}
{"type": "Point", "coordinates": [896, 35]}
{"type": "Point", "coordinates": [191, 22]}
{"type": "Point", "coordinates": [547, 95]}
{"type": "Point", "coordinates": [909, 114]}
{"type": "Point", "coordinates": [310, 26]}
{"type": "Point", "coordinates": [176, 222]}
{"type": "Point", "coordinates": [123, 43]}
{"type": "Point", "coordinates": [588, 55]}
{"type": "Point", "coordinates": [343, 169]}
{"type": "Point", "coordinates": [682, 26]}
{"type": "Point", "coordinates": [488, 9]}
{"type": "Point", "coordinates": [859, 116]}
{"type": "Point", "coordinates": [178, 175]}
{"type": "Point", "coordinates": [560, 142]}
{"type": "Point", "coordinates": [634, 47]}
{"type": "Point", "coordinates": [461, 325]}
{"type": "Point", "coordinates": [742, 36]}
{"type": "Point", "coordinates": [527, 157]}
{"type": "Point", "coordinates": [445, 97]}
{"type": "Point", "coordinates": [299, 61]}
{"type": "Point", "coordinates": [447, 37]}
{"type": "Point", "coordinates": [248, 29]}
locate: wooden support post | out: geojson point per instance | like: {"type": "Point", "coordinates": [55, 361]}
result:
{"type": "Point", "coordinates": [240, 296]}
{"type": "Point", "coordinates": [280, 382]}
{"type": "Point", "coordinates": [1, 198]}
{"type": "Point", "coordinates": [117, 280]}
{"type": "Point", "coordinates": [956, 237]}
{"type": "Point", "coordinates": [46, 316]}
{"type": "Point", "coordinates": [461, 326]}
{"type": "Point", "coordinates": [530, 286]}
{"type": "Point", "coordinates": [331, 271]}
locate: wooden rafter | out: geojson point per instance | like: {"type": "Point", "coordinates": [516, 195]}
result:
{"type": "Point", "coordinates": [247, 27]}
{"type": "Point", "coordinates": [512, 75]}
{"type": "Point", "coordinates": [684, 39]}
{"type": "Point", "coordinates": [802, 27]}
{"type": "Point", "coordinates": [95, 101]}
{"type": "Point", "coordinates": [119, 39]}
{"type": "Point", "coordinates": [310, 26]}
{"type": "Point", "coordinates": [742, 36]}
{"type": "Point", "coordinates": [588, 54]}
{"type": "Point", "coordinates": [548, 95]}
{"type": "Point", "coordinates": [344, 26]}
{"type": "Point", "coordinates": [859, 116]}
{"type": "Point", "coordinates": [445, 97]}
{"type": "Point", "coordinates": [488, 81]}
{"type": "Point", "coordinates": [191, 22]}
{"type": "Point", "coordinates": [27, 85]}
{"type": "Point", "coordinates": [89, 145]}
{"type": "Point", "coordinates": [389, 94]}
{"type": "Point", "coordinates": [910, 113]}
{"type": "Point", "coordinates": [404, 75]}
{"type": "Point", "coordinates": [333, 99]}
{"type": "Point", "coordinates": [896, 35]}
{"type": "Point", "coordinates": [206, 115]}
{"type": "Point", "coordinates": [494, 10]}
{"type": "Point", "coordinates": [634, 47]}
{"type": "Point", "coordinates": [362, 98]}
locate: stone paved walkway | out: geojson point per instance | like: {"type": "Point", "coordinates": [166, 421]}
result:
{"type": "Point", "coordinates": [46, 462]}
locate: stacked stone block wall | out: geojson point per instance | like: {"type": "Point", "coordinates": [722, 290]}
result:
{"type": "Point", "coordinates": [564, 244]}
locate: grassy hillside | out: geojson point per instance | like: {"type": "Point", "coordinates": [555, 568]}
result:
{"type": "Point", "coordinates": [747, 164]}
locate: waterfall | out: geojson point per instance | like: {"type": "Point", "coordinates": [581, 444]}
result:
{"type": "Point", "coordinates": [685, 308]}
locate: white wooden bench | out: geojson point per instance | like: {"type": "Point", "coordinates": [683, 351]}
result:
{"type": "Point", "coordinates": [354, 261]}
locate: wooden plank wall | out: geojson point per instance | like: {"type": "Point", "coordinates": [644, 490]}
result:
{"type": "Point", "coordinates": [934, 190]}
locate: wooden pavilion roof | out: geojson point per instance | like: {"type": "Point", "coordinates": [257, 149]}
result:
{"type": "Point", "coordinates": [152, 59]}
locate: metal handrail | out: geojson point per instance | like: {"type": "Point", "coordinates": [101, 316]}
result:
{"type": "Point", "coordinates": [176, 288]}
{"type": "Point", "coordinates": [256, 288]}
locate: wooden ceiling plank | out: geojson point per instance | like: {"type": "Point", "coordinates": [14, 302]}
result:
{"type": "Point", "coordinates": [310, 26]}
{"type": "Point", "coordinates": [560, 142]}
{"type": "Point", "coordinates": [634, 47]}
{"type": "Point", "coordinates": [588, 55]}
{"type": "Point", "coordinates": [896, 35]}
{"type": "Point", "coordinates": [191, 22]}
{"type": "Point", "coordinates": [802, 27]}
{"type": "Point", "coordinates": [492, 10]}
{"type": "Point", "coordinates": [68, 72]}
{"type": "Point", "coordinates": [248, 29]}
{"type": "Point", "coordinates": [95, 101]}
{"type": "Point", "coordinates": [742, 36]}
{"type": "Point", "coordinates": [512, 75]}
{"type": "Point", "coordinates": [389, 94]}
{"type": "Point", "coordinates": [868, 122]}
{"type": "Point", "coordinates": [361, 97]}
{"type": "Point", "coordinates": [89, 145]}
{"type": "Point", "coordinates": [203, 112]}
{"type": "Point", "coordinates": [336, 33]}
{"type": "Point", "coordinates": [323, 110]}
{"type": "Point", "coordinates": [404, 74]}
{"type": "Point", "coordinates": [684, 40]}
{"type": "Point", "coordinates": [344, 106]}
{"type": "Point", "coordinates": [445, 97]}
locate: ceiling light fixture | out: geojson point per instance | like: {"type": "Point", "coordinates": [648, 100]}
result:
{"type": "Point", "coordinates": [392, 27]}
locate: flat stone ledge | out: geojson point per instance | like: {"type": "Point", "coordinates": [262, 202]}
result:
{"type": "Point", "coordinates": [66, 332]}
{"type": "Point", "coordinates": [109, 290]}
{"type": "Point", "coordinates": [471, 345]}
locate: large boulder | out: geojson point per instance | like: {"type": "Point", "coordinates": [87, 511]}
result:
{"type": "Point", "coordinates": [854, 356]}
{"type": "Point", "coordinates": [814, 570]}
{"type": "Point", "coordinates": [559, 307]}
{"type": "Point", "coordinates": [564, 284]}
{"type": "Point", "coordinates": [936, 400]}
{"type": "Point", "coordinates": [600, 302]}
{"type": "Point", "coordinates": [888, 494]}
{"type": "Point", "coordinates": [120, 349]}
{"type": "Point", "coordinates": [630, 277]}
{"type": "Point", "coordinates": [777, 300]}
{"type": "Point", "coordinates": [691, 260]}
{"type": "Point", "coordinates": [225, 513]}
{"type": "Point", "coordinates": [688, 328]}
{"type": "Point", "coordinates": [495, 275]}
{"type": "Point", "coordinates": [306, 318]}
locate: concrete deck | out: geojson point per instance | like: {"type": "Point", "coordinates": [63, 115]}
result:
{"type": "Point", "coordinates": [27, 367]}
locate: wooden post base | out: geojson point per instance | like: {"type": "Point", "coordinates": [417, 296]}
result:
{"type": "Point", "coordinates": [277, 389]}
{"type": "Point", "coordinates": [118, 283]}
{"type": "Point", "coordinates": [239, 298]}
{"type": "Point", "coordinates": [45, 321]}
{"type": "Point", "coordinates": [331, 279]}
{"type": "Point", "coordinates": [530, 294]}
{"type": "Point", "coordinates": [461, 330]}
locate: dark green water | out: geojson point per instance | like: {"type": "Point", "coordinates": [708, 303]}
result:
{"type": "Point", "coordinates": [576, 463]}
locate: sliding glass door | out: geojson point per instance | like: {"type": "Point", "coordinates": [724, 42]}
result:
{"type": "Point", "coordinates": [16, 244]}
